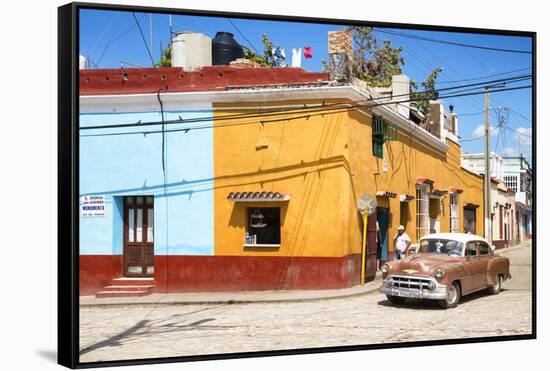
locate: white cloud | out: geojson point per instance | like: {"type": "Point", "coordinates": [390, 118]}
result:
{"type": "Point", "coordinates": [480, 131]}
{"type": "Point", "coordinates": [524, 137]}
{"type": "Point", "coordinates": [510, 152]}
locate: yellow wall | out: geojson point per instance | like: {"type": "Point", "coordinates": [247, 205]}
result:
{"type": "Point", "coordinates": [325, 163]}
{"type": "Point", "coordinates": [303, 158]}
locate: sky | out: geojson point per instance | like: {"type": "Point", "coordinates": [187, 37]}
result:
{"type": "Point", "coordinates": [110, 38]}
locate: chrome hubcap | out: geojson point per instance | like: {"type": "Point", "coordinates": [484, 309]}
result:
{"type": "Point", "coordinates": [451, 295]}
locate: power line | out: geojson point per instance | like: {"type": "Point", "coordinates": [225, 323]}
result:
{"type": "Point", "coordinates": [323, 107]}
{"type": "Point", "coordinates": [244, 37]}
{"type": "Point", "coordinates": [304, 116]}
{"type": "Point", "coordinates": [454, 43]}
{"type": "Point", "coordinates": [144, 41]}
{"type": "Point", "coordinates": [103, 33]}
{"type": "Point", "coordinates": [477, 138]}
{"type": "Point", "coordinates": [470, 114]}
{"type": "Point", "coordinates": [431, 66]}
{"type": "Point", "coordinates": [118, 37]}
{"type": "Point", "coordinates": [520, 115]}
{"type": "Point", "coordinates": [483, 77]}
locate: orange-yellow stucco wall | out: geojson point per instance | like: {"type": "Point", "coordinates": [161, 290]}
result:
{"type": "Point", "coordinates": [324, 163]}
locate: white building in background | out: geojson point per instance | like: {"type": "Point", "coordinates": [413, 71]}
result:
{"type": "Point", "coordinates": [476, 162]}
{"type": "Point", "coordinates": [518, 177]}
{"type": "Point", "coordinates": [513, 174]}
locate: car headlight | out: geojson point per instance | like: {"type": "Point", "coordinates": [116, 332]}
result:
{"type": "Point", "coordinates": [385, 268]}
{"type": "Point", "coordinates": [439, 272]}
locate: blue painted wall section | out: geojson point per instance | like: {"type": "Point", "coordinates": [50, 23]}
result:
{"type": "Point", "coordinates": [124, 165]}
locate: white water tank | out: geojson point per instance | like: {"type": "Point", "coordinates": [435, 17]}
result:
{"type": "Point", "coordinates": [191, 50]}
{"type": "Point", "coordinates": [81, 62]}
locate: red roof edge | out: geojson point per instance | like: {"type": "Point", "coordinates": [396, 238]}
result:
{"type": "Point", "coordinates": [115, 81]}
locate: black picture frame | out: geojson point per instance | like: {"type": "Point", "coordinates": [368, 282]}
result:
{"type": "Point", "coordinates": [68, 192]}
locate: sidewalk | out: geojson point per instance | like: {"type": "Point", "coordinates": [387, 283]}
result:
{"type": "Point", "coordinates": [236, 297]}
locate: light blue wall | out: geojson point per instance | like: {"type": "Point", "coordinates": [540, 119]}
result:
{"type": "Point", "coordinates": [123, 165]}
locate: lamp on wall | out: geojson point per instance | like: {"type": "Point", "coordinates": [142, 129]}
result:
{"type": "Point", "coordinates": [257, 219]}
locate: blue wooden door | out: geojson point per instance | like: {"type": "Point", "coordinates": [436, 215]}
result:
{"type": "Point", "coordinates": [382, 218]}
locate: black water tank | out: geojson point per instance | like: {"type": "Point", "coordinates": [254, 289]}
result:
{"type": "Point", "coordinates": [225, 49]}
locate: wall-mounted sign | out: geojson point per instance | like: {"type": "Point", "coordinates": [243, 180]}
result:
{"type": "Point", "coordinates": [92, 206]}
{"type": "Point", "coordinates": [366, 204]}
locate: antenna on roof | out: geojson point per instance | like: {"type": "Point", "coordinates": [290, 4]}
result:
{"type": "Point", "coordinates": [151, 34]}
{"type": "Point", "coordinates": [170, 25]}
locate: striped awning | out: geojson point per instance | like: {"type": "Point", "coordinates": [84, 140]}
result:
{"type": "Point", "coordinates": [386, 194]}
{"type": "Point", "coordinates": [258, 196]}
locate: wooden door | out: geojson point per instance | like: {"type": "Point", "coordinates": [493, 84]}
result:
{"type": "Point", "coordinates": [469, 220]}
{"type": "Point", "coordinates": [138, 236]}
{"type": "Point", "coordinates": [370, 261]}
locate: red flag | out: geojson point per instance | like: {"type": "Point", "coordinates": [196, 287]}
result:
{"type": "Point", "coordinates": [308, 53]}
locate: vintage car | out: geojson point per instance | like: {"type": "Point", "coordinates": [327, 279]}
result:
{"type": "Point", "coordinates": [445, 267]}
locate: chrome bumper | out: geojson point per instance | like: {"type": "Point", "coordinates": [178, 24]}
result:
{"type": "Point", "coordinates": [438, 293]}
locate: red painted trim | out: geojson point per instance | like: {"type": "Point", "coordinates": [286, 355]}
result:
{"type": "Point", "coordinates": [97, 271]}
{"type": "Point", "coordinates": [183, 273]}
{"type": "Point", "coordinates": [171, 80]}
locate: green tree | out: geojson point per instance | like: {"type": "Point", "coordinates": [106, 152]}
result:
{"type": "Point", "coordinates": [373, 61]}
{"type": "Point", "coordinates": [166, 59]}
{"type": "Point", "coordinates": [428, 92]}
{"type": "Point", "coordinates": [265, 59]}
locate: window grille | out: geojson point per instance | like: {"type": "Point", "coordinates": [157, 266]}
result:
{"type": "Point", "coordinates": [453, 199]}
{"type": "Point", "coordinates": [511, 182]}
{"type": "Point", "coordinates": [422, 211]}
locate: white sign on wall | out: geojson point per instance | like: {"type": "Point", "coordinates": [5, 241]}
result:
{"type": "Point", "coordinates": [92, 206]}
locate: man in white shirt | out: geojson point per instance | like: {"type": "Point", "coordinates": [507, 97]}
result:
{"type": "Point", "coordinates": [401, 242]}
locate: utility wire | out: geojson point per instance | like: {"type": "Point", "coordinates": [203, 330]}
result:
{"type": "Point", "coordinates": [144, 41]}
{"type": "Point", "coordinates": [279, 112]}
{"type": "Point", "coordinates": [483, 77]}
{"type": "Point", "coordinates": [453, 43]}
{"type": "Point", "coordinates": [477, 138]}
{"type": "Point", "coordinates": [244, 37]}
{"type": "Point", "coordinates": [305, 116]}
{"type": "Point", "coordinates": [118, 37]}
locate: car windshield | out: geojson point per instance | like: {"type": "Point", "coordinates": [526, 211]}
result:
{"type": "Point", "coordinates": [441, 246]}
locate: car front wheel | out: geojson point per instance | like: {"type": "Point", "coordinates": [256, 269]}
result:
{"type": "Point", "coordinates": [453, 296]}
{"type": "Point", "coordinates": [395, 299]}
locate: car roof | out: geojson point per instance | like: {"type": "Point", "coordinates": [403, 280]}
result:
{"type": "Point", "coordinates": [461, 237]}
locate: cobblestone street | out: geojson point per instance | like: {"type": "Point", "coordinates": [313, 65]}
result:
{"type": "Point", "coordinates": [128, 332]}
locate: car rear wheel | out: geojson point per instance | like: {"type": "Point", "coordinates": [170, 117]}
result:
{"type": "Point", "coordinates": [453, 296]}
{"type": "Point", "coordinates": [395, 299]}
{"type": "Point", "coordinates": [495, 289]}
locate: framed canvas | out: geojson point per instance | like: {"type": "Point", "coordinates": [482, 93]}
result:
{"type": "Point", "coordinates": [243, 185]}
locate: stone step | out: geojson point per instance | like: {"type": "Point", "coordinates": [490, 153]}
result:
{"type": "Point", "coordinates": [125, 281]}
{"type": "Point", "coordinates": [129, 288]}
{"type": "Point", "coordinates": [121, 293]}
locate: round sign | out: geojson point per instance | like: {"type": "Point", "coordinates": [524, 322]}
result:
{"type": "Point", "coordinates": [366, 204]}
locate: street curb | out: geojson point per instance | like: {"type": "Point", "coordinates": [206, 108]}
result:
{"type": "Point", "coordinates": [235, 301]}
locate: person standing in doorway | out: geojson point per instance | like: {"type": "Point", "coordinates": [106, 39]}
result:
{"type": "Point", "coordinates": [401, 241]}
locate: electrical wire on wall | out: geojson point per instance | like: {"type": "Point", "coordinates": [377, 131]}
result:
{"type": "Point", "coordinates": [163, 158]}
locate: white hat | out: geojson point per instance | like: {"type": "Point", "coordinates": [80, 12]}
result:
{"type": "Point", "coordinates": [400, 227]}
